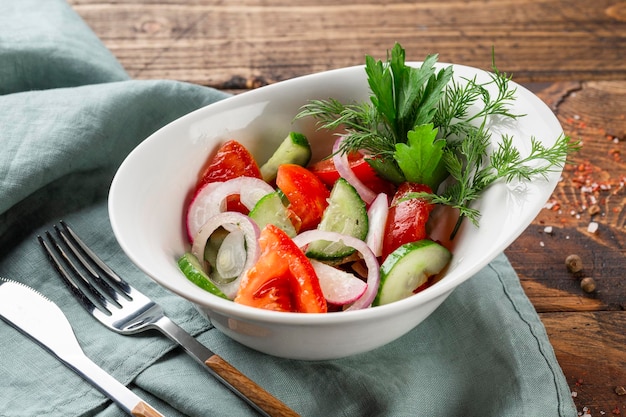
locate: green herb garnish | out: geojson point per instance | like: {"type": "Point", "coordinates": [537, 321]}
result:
{"type": "Point", "coordinates": [422, 126]}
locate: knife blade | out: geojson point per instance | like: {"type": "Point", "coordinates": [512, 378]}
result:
{"type": "Point", "coordinates": [42, 320]}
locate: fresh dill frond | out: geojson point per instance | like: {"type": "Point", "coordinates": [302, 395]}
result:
{"type": "Point", "coordinates": [422, 125]}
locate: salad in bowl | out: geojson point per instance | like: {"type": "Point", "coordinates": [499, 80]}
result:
{"type": "Point", "coordinates": [330, 214]}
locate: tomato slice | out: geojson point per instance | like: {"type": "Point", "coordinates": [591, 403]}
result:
{"type": "Point", "coordinates": [325, 170]}
{"type": "Point", "coordinates": [307, 194]}
{"type": "Point", "coordinates": [283, 278]}
{"type": "Point", "coordinates": [232, 160]}
{"type": "Point", "coordinates": [406, 221]}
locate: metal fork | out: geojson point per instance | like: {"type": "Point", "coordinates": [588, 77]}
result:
{"type": "Point", "coordinates": [123, 309]}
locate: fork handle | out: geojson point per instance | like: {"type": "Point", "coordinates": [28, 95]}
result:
{"type": "Point", "coordinates": [248, 390]}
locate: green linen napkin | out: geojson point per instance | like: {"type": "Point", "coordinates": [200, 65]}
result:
{"type": "Point", "coordinates": [69, 114]}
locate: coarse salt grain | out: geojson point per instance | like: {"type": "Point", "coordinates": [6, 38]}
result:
{"type": "Point", "coordinates": [574, 394]}
{"type": "Point", "coordinates": [547, 229]}
{"type": "Point", "coordinates": [593, 227]}
{"type": "Point", "coordinates": [542, 244]}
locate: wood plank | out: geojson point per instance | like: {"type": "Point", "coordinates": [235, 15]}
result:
{"type": "Point", "coordinates": [587, 331]}
{"type": "Point", "coordinates": [589, 348]}
{"type": "Point", "coordinates": [243, 44]}
{"type": "Point", "coordinates": [593, 112]}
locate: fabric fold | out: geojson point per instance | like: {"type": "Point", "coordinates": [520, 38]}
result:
{"type": "Point", "coordinates": [44, 44]}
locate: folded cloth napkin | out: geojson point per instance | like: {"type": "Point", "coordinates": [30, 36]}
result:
{"type": "Point", "coordinates": [69, 114]}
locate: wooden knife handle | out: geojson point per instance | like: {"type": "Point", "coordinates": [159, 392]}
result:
{"type": "Point", "coordinates": [144, 410]}
{"type": "Point", "coordinates": [261, 398]}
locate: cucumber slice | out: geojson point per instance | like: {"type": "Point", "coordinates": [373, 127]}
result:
{"type": "Point", "coordinates": [294, 149]}
{"type": "Point", "coordinates": [409, 267]}
{"type": "Point", "coordinates": [346, 214]}
{"type": "Point", "coordinates": [271, 210]}
{"type": "Point", "coordinates": [191, 268]}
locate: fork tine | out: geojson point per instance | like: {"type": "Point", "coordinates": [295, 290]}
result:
{"type": "Point", "coordinates": [65, 275]}
{"type": "Point", "coordinates": [106, 287]}
{"type": "Point", "coordinates": [122, 285]}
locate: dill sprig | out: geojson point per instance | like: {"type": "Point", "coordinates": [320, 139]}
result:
{"type": "Point", "coordinates": [421, 125]}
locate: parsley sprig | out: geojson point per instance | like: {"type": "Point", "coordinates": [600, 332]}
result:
{"type": "Point", "coordinates": [423, 126]}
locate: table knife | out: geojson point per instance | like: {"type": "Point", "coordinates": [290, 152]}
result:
{"type": "Point", "coordinates": [39, 318]}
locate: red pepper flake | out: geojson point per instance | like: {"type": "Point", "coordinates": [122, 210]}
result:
{"type": "Point", "coordinates": [616, 411]}
{"type": "Point", "coordinates": [616, 154]}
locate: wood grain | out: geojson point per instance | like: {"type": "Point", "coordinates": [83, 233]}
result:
{"type": "Point", "coordinates": [587, 330]}
{"type": "Point", "coordinates": [569, 52]}
{"type": "Point", "coordinates": [241, 44]}
{"type": "Point", "coordinates": [251, 390]}
{"type": "Point", "coordinates": [144, 410]}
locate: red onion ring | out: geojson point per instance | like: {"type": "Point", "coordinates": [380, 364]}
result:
{"type": "Point", "coordinates": [230, 220]}
{"type": "Point", "coordinates": [196, 216]}
{"type": "Point", "coordinates": [342, 165]}
{"type": "Point", "coordinates": [211, 199]}
{"type": "Point", "coordinates": [339, 287]}
{"type": "Point", "coordinates": [373, 272]}
{"type": "Point", "coordinates": [377, 216]}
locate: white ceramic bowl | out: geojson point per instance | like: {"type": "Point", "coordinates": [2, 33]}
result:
{"type": "Point", "coordinates": [148, 195]}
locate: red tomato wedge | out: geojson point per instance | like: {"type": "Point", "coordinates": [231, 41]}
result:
{"type": "Point", "coordinates": [325, 170]}
{"type": "Point", "coordinates": [406, 221]}
{"type": "Point", "coordinates": [232, 160]}
{"type": "Point", "coordinates": [283, 278]}
{"type": "Point", "coordinates": [307, 194]}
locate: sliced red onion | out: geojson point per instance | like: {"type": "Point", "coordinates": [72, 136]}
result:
{"type": "Point", "coordinates": [211, 199]}
{"type": "Point", "coordinates": [373, 273]}
{"type": "Point", "coordinates": [231, 221]}
{"type": "Point", "coordinates": [377, 216]}
{"type": "Point", "coordinates": [339, 287]}
{"type": "Point", "coordinates": [231, 256]}
{"type": "Point", "coordinates": [196, 215]}
{"type": "Point", "coordinates": [343, 167]}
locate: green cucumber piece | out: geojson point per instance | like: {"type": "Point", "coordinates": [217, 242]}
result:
{"type": "Point", "coordinates": [271, 210]}
{"type": "Point", "coordinates": [192, 269]}
{"type": "Point", "coordinates": [294, 149]}
{"type": "Point", "coordinates": [409, 267]}
{"type": "Point", "coordinates": [346, 214]}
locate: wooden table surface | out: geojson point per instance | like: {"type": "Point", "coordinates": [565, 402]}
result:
{"type": "Point", "coordinates": [571, 53]}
